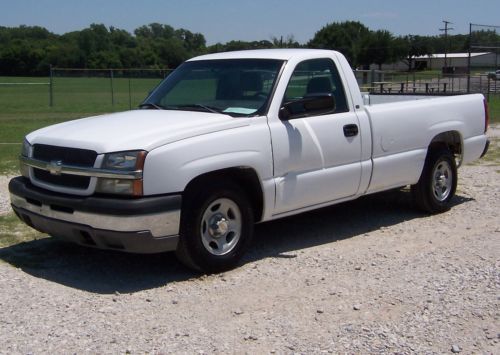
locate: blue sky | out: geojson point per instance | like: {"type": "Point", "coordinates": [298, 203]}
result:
{"type": "Point", "coordinates": [225, 20]}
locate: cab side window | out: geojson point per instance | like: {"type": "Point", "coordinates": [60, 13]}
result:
{"type": "Point", "coordinates": [314, 77]}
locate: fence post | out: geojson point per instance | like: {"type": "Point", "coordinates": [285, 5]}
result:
{"type": "Point", "coordinates": [112, 88]}
{"type": "Point", "coordinates": [51, 84]}
{"type": "Point", "coordinates": [129, 94]}
{"type": "Point", "coordinates": [469, 58]}
{"type": "Point", "coordinates": [488, 90]}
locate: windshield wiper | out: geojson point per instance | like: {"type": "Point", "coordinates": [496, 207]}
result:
{"type": "Point", "coordinates": [204, 107]}
{"type": "Point", "coordinates": [152, 105]}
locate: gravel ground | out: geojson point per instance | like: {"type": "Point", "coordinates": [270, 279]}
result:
{"type": "Point", "coordinates": [4, 195]}
{"type": "Point", "coordinates": [368, 276]}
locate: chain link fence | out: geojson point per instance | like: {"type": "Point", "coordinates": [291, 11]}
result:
{"type": "Point", "coordinates": [121, 89]}
{"type": "Point", "coordinates": [102, 90]}
{"type": "Point", "coordinates": [88, 91]}
{"type": "Point", "coordinates": [386, 82]}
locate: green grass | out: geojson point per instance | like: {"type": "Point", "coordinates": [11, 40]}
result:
{"type": "Point", "coordinates": [18, 246]}
{"type": "Point", "coordinates": [25, 108]}
{"type": "Point", "coordinates": [493, 155]}
{"type": "Point", "coordinates": [8, 158]}
{"type": "Point", "coordinates": [73, 96]}
{"type": "Point", "coordinates": [494, 106]}
{"type": "Point", "coordinates": [13, 231]}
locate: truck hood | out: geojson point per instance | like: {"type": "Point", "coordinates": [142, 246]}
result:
{"type": "Point", "coordinates": [133, 130]}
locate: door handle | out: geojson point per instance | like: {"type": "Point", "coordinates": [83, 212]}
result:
{"type": "Point", "coordinates": [351, 130]}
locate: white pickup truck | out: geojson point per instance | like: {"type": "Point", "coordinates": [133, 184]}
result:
{"type": "Point", "coordinates": [231, 139]}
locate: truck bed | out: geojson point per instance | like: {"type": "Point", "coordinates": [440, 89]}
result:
{"type": "Point", "coordinates": [403, 125]}
{"type": "Point", "coordinates": [375, 99]}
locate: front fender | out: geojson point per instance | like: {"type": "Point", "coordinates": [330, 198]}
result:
{"type": "Point", "coordinates": [171, 167]}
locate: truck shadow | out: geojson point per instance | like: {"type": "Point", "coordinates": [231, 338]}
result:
{"type": "Point", "coordinates": [94, 270]}
{"type": "Point", "coordinates": [369, 213]}
{"type": "Point", "coordinates": [105, 272]}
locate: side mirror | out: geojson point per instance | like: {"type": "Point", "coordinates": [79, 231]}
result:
{"type": "Point", "coordinates": [316, 104]}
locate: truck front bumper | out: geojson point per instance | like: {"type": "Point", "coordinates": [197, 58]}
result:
{"type": "Point", "coordinates": [142, 225]}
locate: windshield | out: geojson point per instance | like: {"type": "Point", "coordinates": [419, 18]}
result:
{"type": "Point", "coordinates": [237, 87]}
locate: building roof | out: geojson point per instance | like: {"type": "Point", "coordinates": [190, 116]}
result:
{"type": "Point", "coordinates": [451, 55]}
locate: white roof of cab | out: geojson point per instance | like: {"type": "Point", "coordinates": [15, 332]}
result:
{"type": "Point", "coordinates": [281, 53]}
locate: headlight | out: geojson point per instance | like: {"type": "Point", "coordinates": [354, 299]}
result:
{"type": "Point", "coordinates": [119, 186]}
{"type": "Point", "coordinates": [26, 152]}
{"type": "Point", "coordinates": [128, 161]}
{"type": "Point", "coordinates": [26, 149]}
{"type": "Point", "coordinates": [122, 161]}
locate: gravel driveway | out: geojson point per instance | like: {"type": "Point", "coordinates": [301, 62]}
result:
{"type": "Point", "coordinates": [372, 275]}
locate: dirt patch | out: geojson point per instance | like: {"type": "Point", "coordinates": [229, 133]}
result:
{"type": "Point", "coordinates": [4, 195]}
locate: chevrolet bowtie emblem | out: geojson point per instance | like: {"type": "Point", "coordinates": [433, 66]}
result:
{"type": "Point", "coordinates": [55, 167]}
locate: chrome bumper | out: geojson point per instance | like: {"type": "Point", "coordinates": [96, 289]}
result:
{"type": "Point", "coordinates": [145, 225]}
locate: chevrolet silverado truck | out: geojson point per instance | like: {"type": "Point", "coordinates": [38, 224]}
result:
{"type": "Point", "coordinates": [232, 139]}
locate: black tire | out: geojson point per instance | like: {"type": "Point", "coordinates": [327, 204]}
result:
{"type": "Point", "coordinates": [216, 227]}
{"type": "Point", "coordinates": [438, 182]}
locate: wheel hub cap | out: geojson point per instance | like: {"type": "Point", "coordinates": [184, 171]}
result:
{"type": "Point", "coordinates": [218, 227]}
{"type": "Point", "coordinates": [442, 182]}
{"type": "Point", "coordinates": [221, 226]}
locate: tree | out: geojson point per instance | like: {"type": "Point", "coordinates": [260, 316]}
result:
{"type": "Point", "coordinates": [347, 37]}
{"type": "Point", "coordinates": [94, 39]}
{"type": "Point", "coordinates": [155, 31]}
{"type": "Point", "coordinates": [481, 39]}
{"type": "Point", "coordinates": [288, 42]}
{"type": "Point", "coordinates": [194, 43]}
{"type": "Point", "coordinates": [29, 50]}
{"type": "Point", "coordinates": [121, 38]}
{"type": "Point", "coordinates": [416, 46]}
{"type": "Point", "coordinates": [378, 48]}
{"type": "Point", "coordinates": [239, 45]}
{"type": "Point", "coordinates": [23, 49]}
{"type": "Point", "coordinates": [171, 47]}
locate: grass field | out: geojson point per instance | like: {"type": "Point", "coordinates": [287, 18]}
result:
{"type": "Point", "coordinates": [494, 106]}
{"type": "Point", "coordinates": [73, 97]}
{"type": "Point", "coordinates": [25, 108]}
{"type": "Point", "coordinates": [13, 231]}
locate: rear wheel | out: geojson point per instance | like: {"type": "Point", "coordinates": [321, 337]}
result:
{"type": "Point", "coordinates": [438, 182]}
{"type": "Point", "coordinates": [216, 228]}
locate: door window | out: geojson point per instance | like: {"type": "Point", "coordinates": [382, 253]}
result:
{"type": "Point", "coordinates": [316, 77]}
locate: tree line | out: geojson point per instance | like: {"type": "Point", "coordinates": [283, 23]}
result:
{"type": "Point", "coordinates": [30, 50]}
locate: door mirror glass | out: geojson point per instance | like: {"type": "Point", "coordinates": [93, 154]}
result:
{"type": "Point", "coordinates": [310, 105]}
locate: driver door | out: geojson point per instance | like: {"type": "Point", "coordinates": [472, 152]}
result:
{"type": "Point", "coordinates": [317, 157]}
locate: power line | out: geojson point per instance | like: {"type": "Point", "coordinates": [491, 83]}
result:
{"type": "Point", "coordinates": [446, 29]}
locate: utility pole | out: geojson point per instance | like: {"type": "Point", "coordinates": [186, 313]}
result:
{"type": "Point", "coordinates": [445, 30]}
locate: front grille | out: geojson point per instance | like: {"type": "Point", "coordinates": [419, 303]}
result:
{"type": "Point", "coordinates": [68, 156]}
{"type": "Point", "coordinates": [65, 180]}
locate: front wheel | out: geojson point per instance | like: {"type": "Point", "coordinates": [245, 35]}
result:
{"type": "Point", "coordinates": [216, 228]}
{"type": "Point", "coordinates": [438, 182]}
